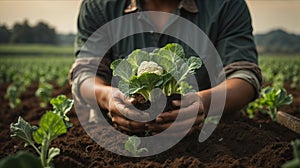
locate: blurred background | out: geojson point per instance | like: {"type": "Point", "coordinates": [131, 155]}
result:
{"type": "Point", "coordinates": [276, 23]}
{"type": "Point", "coordinates": [38, 36]}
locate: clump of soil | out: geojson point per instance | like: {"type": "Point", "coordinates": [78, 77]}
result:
{"type": "Point", "coordinates": [236, 142]}
{"type": "Point", "coordinates": [141, 104]}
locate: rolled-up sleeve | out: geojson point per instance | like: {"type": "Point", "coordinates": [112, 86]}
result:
{"type": "Point", "coordinates": [247, 71]}
{"type": "Point", "coordinates": [91, 48]}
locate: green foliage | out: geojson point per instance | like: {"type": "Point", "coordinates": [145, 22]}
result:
{"type": "Point", "coordinates": [132, 145]}
{"type": "Point", "coordinates": [270, 100]}
{"type": "Point", "coordinates": [61, 106]}
{"type": "Point", "coordinates": [171, 59]}
{"type": "Point", "coordinates": [36, 50]}
{"type": "Point", "coordinates": [295, 163]}
{"type": "Point", "coordinates": [23, 130]}
{"type": "Point", "coordinates": [12, 94]}
{"type": "Point", "coordinates": [277, 70]}
{"type": "Point", "coordinates": [51, 126]}
{"type": "Point", "coordinates": [212, 120]}
{"type": "Point", "coordinates": [21, 160]}
{"type": "Point", "coordinates": [44, 93]}
{"type": "Point", "coordinates": [22, 72]}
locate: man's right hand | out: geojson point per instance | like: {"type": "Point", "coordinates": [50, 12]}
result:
{"type": "Point", "coordinates": [122, 111]}
{"type": "Point", "coordinates": [120, 108]}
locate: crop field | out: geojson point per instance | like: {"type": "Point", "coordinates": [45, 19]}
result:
{"type": "Point", "coordinates": [31, 76]}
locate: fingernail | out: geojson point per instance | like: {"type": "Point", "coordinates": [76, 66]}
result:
{"type": "Point", "coordinates": [132, 100]}
{"type": "Point", "coordinates": [176, 103]}
{"type": "Point", "coordinates": [159, 119]}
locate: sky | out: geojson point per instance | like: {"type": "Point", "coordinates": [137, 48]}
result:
{"type": "Point", "coordinates": [61, 14]}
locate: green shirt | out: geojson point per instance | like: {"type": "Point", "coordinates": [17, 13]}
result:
{"type": "Point", "coordinates": [227, 23]}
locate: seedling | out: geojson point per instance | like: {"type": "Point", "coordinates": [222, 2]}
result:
{"type": "Point", "coordinates": [132, 144]}
{"type": "Point", "coordinates": [44, 93]}
{"type": "Point", "coordinates": [52, 125]}
{"type": "Point", "coordinates": [270, 100]}
{"type": "Point", "coordinates": [12, 94]}
{"type": "Point", "coordinates": [61, 106]}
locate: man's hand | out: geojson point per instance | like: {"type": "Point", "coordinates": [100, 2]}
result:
{"type": "Point", "coordinates": [124, 115]}
{"type": "Point", "coordinates": [191, 111]}
{"type": "Point", "coordinates": [119, 107]}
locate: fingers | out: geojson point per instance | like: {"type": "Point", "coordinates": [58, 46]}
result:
{"type": "Point", "coordinates": [186, 100]}
{"type": "Point", "coordinates": [130, 112]}
{"type": "Point", "coordinates": [178, 126]}
{"type": "Point", "coordinates": [121, 105]}
{"type": "Point", "coordinates": [187, 112]}
{"type": "Point", "coordinates": [128, 125]}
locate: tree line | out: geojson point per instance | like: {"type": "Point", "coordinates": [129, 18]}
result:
{"type": "Point", "coordinates": [276, 41]}
{"type": "Point", "coordinates": [41, 33]}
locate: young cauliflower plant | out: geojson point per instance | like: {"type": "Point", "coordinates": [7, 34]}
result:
{"type": "Point", "coordinates": [52, 124]}
{"type": "Point", "coordinates": [165, 69]}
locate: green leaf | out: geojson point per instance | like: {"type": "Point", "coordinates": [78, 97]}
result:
{"type": "Point", "coordinates": [194, 63]}
{"type": "Point", "coordinates": [123, 70]}
{"type": "Point", "coordinates": [136, 58]}
{"type": "Point", "coordinates": [52, 153]}
{"type": "Point", "coordinates": [130, 88]}
{"type": "Point", "coordinates": [270, 100]}
{"type": "Point", "coordinates": [62, 105]}
{"type": "Point", "coordinates": [164, 62]}
{"type": "Point", "coordinates": [21, 160]}
{"type": "Point", "coordinates": [115, 64]}
{"type": "Point", "coordinates": [173, 50]}
{"type": "Point", "coordinates": [132, 144]}
{"type": "Point", "coordinates": [185, 87]}
{"type": "Point", "coordinates": [44, 91]}
{"type": "Point", "coordinates": [51, 126]}
{"type": "Point", "coordinates": [139, 151]}
{"type": "Point", "coordinates": [130, 147]}
{"type": "Point", "coordinates": [152, 80]}
{"type": "Point", "coordinates": [22, 130]}
{"type": "Point", "coordinates": [147, 82]}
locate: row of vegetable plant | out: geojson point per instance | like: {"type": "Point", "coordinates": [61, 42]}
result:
{"type": "Point", "coordinates": [21, 72]}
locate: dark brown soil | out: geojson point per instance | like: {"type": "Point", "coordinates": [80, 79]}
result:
{"type": "Point", "coordinates": [237, 141]}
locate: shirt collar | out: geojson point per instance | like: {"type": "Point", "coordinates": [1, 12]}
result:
{"type": "Point", "coordinates": [188, 5]}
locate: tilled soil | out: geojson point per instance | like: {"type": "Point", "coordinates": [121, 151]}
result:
{"type": "Point", "coordinates": [236, 142]}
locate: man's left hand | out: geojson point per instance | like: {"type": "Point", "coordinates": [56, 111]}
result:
{"type": "Point", "coordinates": [192, 110]}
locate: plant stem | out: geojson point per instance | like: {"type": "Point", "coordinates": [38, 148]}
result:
{"type": "Point", "coordinates": [44, 151]}
{"type": "Point", "coordinates": [36, 149]}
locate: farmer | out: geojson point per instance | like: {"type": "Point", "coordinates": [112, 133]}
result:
{"type": "Point", "coordinates": [227, 25]}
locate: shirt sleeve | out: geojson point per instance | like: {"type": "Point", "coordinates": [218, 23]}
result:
{"type": "Point", "coordinates": [235, 39]}
{"type": "Point", "coordinates": [235, 44]}
{"type": "Point", "coordinates": [91, 38]}
{"type": "Point", "coordinates": [88, 67]}
{"type": "Point", "coordinates": [247, 71]}
{"type": "Point", "coordinates": [91, 48]}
